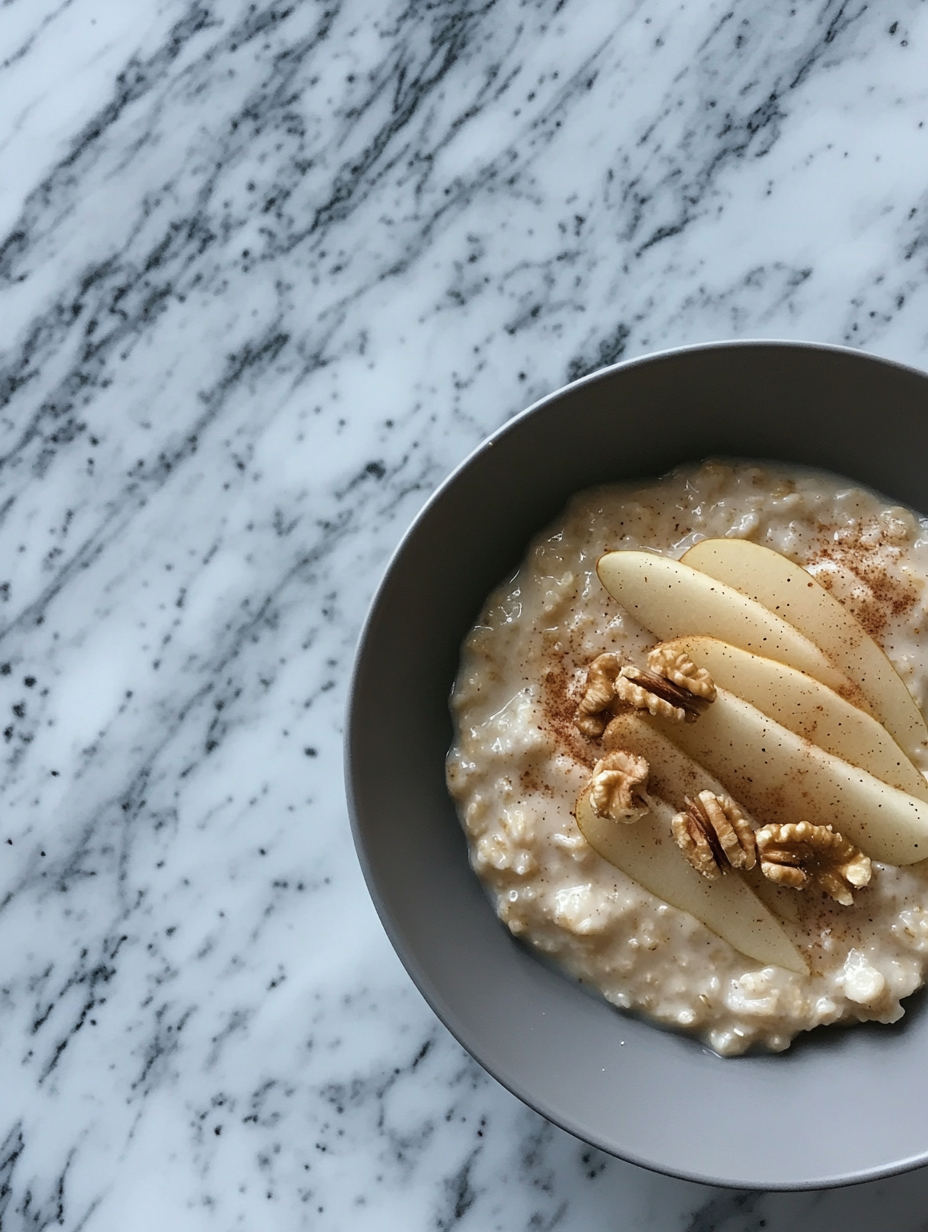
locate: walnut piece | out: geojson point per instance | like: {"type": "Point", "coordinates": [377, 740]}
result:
{"type": "Point", "coordinates": [618, 786]}
{"type": "Point", "coordinates": [714, 835]}
{"type": "Point", "coordinates": [592, 713]}
{"type": "Point", "coordinates": [658, 694]}
{"type": "Point", "coordinates": [635, 689]}
{"type": "Point", "coordinates": [680, 668]}
{"type": "Point", "coordinates": [798, 854]}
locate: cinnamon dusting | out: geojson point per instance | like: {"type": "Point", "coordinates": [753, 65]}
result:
{"type": "Point", "coordinates": [560, 694]}
{"type": "Point", "coordinates": [869, 555]}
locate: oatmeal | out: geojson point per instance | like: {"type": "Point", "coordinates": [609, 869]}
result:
{"type": "Point", "coordinates": [570, 704]}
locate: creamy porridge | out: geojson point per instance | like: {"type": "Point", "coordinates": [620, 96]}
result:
{"type": "Point", "coordinates": [520, 763]}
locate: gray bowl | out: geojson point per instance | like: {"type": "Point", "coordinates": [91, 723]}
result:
{"type": "Point", "coordinates": [843, 1105]}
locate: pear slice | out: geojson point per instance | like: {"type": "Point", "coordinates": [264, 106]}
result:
{"type": "Point", "coordinates": [786, 589]}
{"type": "Point", "coordinates": [783, 901]}
{"type": "Point", "coordinates": [673, 775]}
{"type": "Point", "coordinates": [647, 852]}
{"type": "Point", "coordinates": [808, 708]}
{"type": "Point", "coordinates": [781, 777]}
{"type": "Point", "coordinates": [671, 598]}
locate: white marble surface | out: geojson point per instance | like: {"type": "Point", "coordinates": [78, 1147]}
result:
{"type": "Point", "coordinates": [269, 271]}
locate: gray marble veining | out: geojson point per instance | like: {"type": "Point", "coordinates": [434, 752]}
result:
{"type": "Point", "coordinates": [268, 271]}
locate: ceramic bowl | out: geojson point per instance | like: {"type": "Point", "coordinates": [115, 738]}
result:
{"type": "Point", "coordinates": [842, 1105]}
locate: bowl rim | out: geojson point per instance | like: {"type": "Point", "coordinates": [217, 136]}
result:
{"type": "Point", "coordinates": [418, 974]}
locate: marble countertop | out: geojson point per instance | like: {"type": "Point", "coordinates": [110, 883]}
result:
{"type": "Point", "coordinates": [269, 271]}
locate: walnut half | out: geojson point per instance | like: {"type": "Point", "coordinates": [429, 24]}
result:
{"type": "Point", "coordinates": [798, 854]}
{"type": "Point", "coordinates": [679, 668]}
{"type": "Point", "coordinates": [672, 686]}
{"type": "Point", "coordinates": [647, 691]}
{"type": "Point", "coordinates": [618, 786]}
{"type": "Point", "coordinates": [593, 712]}
{"type": "Point", "coordinates": [714, 835]}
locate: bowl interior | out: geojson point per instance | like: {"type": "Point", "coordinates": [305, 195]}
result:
{"type": "Point", "coordinates": [841, 1105]}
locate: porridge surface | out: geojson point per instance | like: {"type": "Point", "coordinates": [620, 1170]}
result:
{"type": "Point", "coordinates": [518, 763]}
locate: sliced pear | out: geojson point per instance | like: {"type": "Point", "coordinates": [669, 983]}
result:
{"type": "Point", "coordinates": [781, 777]}
{"type": "Point", "coordinates": [671, 599]}
{"type": "Point", "coordinates": [807, 708]}
{"type": "Point", "coordinates": [673, 775]}
{"type": "Point", "coordinates": [783, 901]}
{"type": "Point", "coordinates": [647, 852]}
{"type": "Point", "coordinates": [787, 590]}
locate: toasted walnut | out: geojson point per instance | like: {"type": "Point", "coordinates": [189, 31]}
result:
{"type": "Point", "coordinates": [618, 785]}
{"type": "Point", "coordinates": [647, 690]}
{"type": "Point", "coordinates": [798, 854]}
{"type": "Point", "coordinates": [635, 689]}
{"type": "Point", "coordinates": [591, 716]}
{"type": "Point", "coordinates": [714, 835]}
{"type": "Point", "coordinates": [680, 668]}
{"type": "Point", "coordinates": [691, 837]}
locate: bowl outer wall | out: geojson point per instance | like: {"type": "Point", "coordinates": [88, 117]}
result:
{"type": "Point", "coordinates": [842, 1106]}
